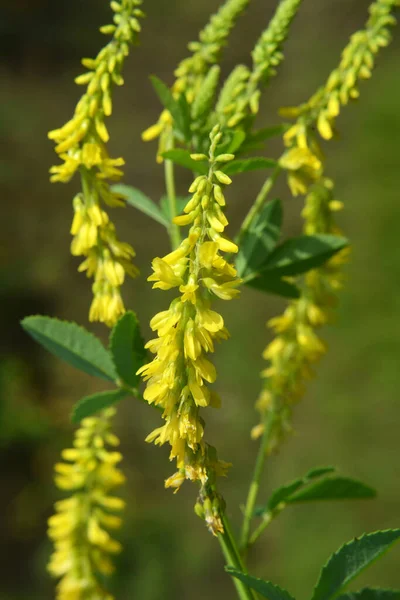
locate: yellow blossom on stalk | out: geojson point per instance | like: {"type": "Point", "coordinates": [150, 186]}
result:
{"type": "Point", "coordinates": [356, 64]}
{"type": "Point", "coordinates": [80, 527]}
{"type": "Point", "coordinates": [296, 346]}
{"type": "Point", "coordinates": [177, 378]}
{"type": "Point", "coordinates": [241, 93]}
{"type": "Point", "coordinates": [193, 70]}
{"type": "Point", "coordinates": [81, 144]}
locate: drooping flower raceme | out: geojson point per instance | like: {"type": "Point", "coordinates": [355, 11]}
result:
{"type": "Point", "coordinates": [177, 378]}
{"type": "Point", "coordinates": [81, 144]}
{"type": "Point", "coordinates": [297, 346]}
{"type": "Point", "coordinates": [193, 70]}
{"type": "Point", "coordinates": [79, 528]}
{"type": "Point", "coordinates": [241, 93]}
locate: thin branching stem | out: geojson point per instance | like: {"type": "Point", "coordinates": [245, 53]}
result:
{"type": "Point", "coordinates": [256, 480]}
{"type": "Point", "coordinates": [174, 232]}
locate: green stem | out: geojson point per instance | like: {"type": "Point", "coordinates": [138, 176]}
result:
{"type": "Point", "coordinates": [173, 230]}
{"type": "Point", "coordinates": [255, 482]}
{"type": "Point", "coordinates": [258, 203]}
{"type": "Point", "coordinates": [267, 518]}
{"type": "Point", "coordinates": [232, 557]}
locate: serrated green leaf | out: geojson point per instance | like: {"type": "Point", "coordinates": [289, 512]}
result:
{"type": "Point", "coordinates": [138, 200]}
{"type": "Point", "coordinates": [175, 107]}
{"type": "Point", "coordinates": [248, 164]}
{"type": "Point", "coordinates": [127, 348]}
{"type": "Point", "coordinates": [182, 157]}
{"type": "Point", "coordinates": [333, 488]}
{"type": "Point", "coordinates": [274, 285]}
{"type": "Point", "coordinates": [258, 242]}
{"type": "Point", "coordinates": [350, 560]}
{"type": "Point", "coordinates": [372, 594]}
{"type": "Point", "coordinates": [180, 201]}
{"type": "Point", "coordinates": [72, 343]}
{"type": "Point", "coordinates": [301, 254]}
{"type": "Point", "coordinates": [90, 405]}
{"type": "Point", "coordinates": [265, 588]}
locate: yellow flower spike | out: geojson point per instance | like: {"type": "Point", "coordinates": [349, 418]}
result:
{"type": "Point", "coordinates": [191, 72]}
{"type": "Point", "coordinates": [239, 100]}
{"type": "Point", "coordinates": [79, 527]}
{"type": "Point", "coordinates": [178, 377]}
{"type": "Point", "coordinates": [296, 347]}
{"type": "Point", "coordinates": [80, 143]}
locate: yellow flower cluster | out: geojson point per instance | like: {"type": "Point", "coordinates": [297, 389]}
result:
{"type": "Point", "coordinates": [296, 346]}
{"type": "Point", "coordinates": [188, 330]}
{"type": "Point", "coordinates": [357, 62]}
{"type": "Point", "coordinates": [81, 144]}
{"type": "Point", "coordinates": [79, 528]}
{"type": "Point", "coordinates": [192, 71]}
{"type": "Point", "coordinates": [241, 94]}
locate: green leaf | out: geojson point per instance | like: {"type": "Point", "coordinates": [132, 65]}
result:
{"type": "Point", "coordinates": [274, 285]}
{"type": "Point", "coordinates": [234, 141]}
{"type": "Point", "coordinates": [175, 107]}
{"type": "Point", "coordinates": [350, 560]}
{"type": "Point", "coordinates": [372, 594]}
{"type": "Point", "coordinates": [182, 157]}
{"type": "Point", "coordinates": [265, 588]}
{"type": "Point", "coordinates": [237, 140]}
{"type": "Point", "coordinates": [283, 493]}
{"type": "Point", "coordinates": [333, 488]}
{"type": "Point", "coordinates": [258, 242]}
{"type": "Point", "coordinates": [300, 254]}
{"type": "Point", "coordinates": [248, 164]}
{"type": "Point", "coordinates": [72, 343]}
{"type": "Point", "coordinates": [319, 471]}
{"type": "Point", "coordinates": [261, 135]}
{"type": "Point", "coordinates": [89, 405]}
{"type": "Point", "coordinates": [136, 198]}
{"type": "Point", "coordinates": [306, 489]}
{"type": "Point", "coordinates": [181, 202]}
{"type": "Point", "coordinates": [127, 348]}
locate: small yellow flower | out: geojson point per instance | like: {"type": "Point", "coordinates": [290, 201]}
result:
{"type": "Point", "coordinates": [79, 527]}
{"type": "Point", "coordinates": [80, 143]}
{"type": "Point", "coordinates": [178, 377]}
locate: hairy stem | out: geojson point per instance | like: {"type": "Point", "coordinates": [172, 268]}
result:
{"type": "Point", "coordinates": [233, 559]}
{"type": "Point", "coordinates": [258, 203]}
{"type": "Point", "coordinates": [174, 232]}
{"type": "Point", "coordinates": [255, 482]}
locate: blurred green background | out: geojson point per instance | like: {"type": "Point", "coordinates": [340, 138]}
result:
{"type": "Point", "coordinates": [350, 416]}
